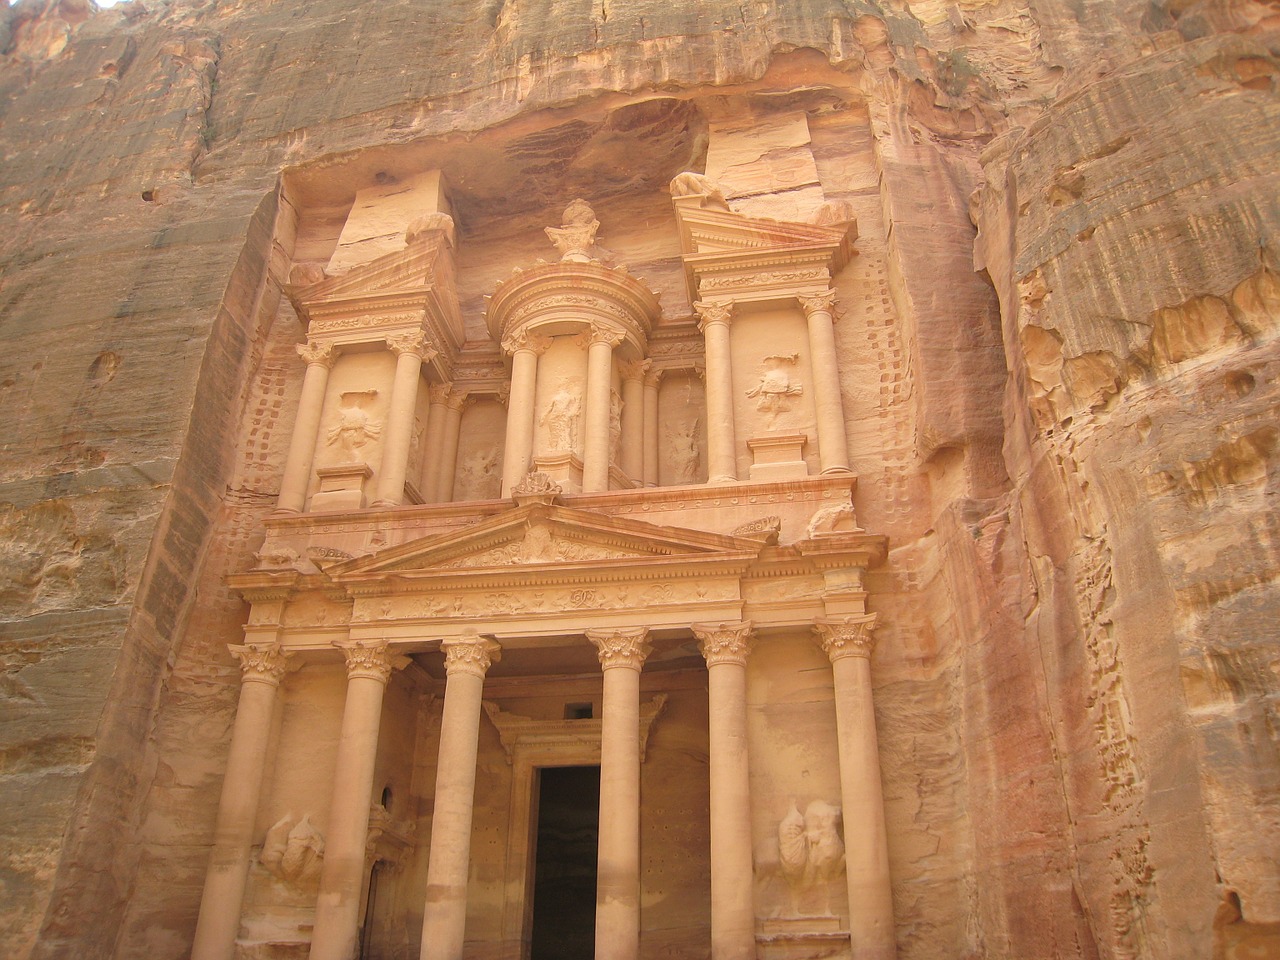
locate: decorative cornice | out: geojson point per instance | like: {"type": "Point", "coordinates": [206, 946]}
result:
{"type": "Point", "coordinates": [471, 654]}
{"type": "Point", "coordinates": [713, 311]}
{"type": "Point", "coordinates": [847, 637]}
{"type": "Point", "coordinates": [724, 642]}
{"type": "Point", "coordinates": [621, 648]}
{"type": "Point", "coordinates": [370, 659]}
{"type": "Point", "coordinates": [823, 302]}
{"type": "Point", "coordinates": [260, 662]}
{"type": "Point", "coordinates": [314, 351]}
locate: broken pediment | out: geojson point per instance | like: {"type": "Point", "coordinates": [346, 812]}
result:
{"type": "Point", "coordinates": [726, 252]}
{"type": "Point", "coordinates": [414, 285]}
{"type": "Point", "coordinates": [542, 534]}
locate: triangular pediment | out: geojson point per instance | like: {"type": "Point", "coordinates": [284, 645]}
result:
{"type": "Point", "coordinates": [542, 536]}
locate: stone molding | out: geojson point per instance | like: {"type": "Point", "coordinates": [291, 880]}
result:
{"type": "Point", "coordinates": [724, 642]}
{"type": "Point", "coordinates": [472, 655]}
{"type": "Point", "coordinates": [261, 662]}
{"type": "Point", "coordinates": [621, 648]}
{"type": "Point", "coordinates": [847, 636]}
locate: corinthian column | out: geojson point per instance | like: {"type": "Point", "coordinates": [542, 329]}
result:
{"type": "Point", "coordinates": [652, 380]}
{"type": "Point", "coordinates": [525, 347]}
{"type": "Point", "coordinates": [454, 407]}
{"type": "Point", "coordinates": [848, 642]}
{"type": "Point", "coordinates": [595, 447]}
{"type": "Point", "coordinates": [466, 660]}
{"type": "Point", "coordinates": [306, 427]}
{"type": "Point", "coordinates": [336, 935]}
{"type": "Point", "coordinates": [262, 665]}
{"type": "Point", "coordinates": [722, 466]}
{"type": "Point", "coordinates": [622, 654]}
{"type": "Point", "coordinates": [438, 394]}
{"type": "Point", "coordinates": [410, 351]}
{"type": "Point", "coordinates": [633, 438]}
{"type": "Point", "coordinates": [725, 647]}
{"type": "Point", "coordinates": [833, 448]}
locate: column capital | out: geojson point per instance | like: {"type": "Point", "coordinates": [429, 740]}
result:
{"type": "Point", "coordinates": [847, 636]}
{"type": "Point", "coordinates": [653, 375]}
{"type": "Point", "coordinates": [824, 302]}
{"type": "Point", "coordinates": [413, 343]}
{"type": "Point", "coordinates": [634, 369]}
{"type": "Point", "coordinates": [471, 654]}
{"type": "Point", "coordinates": [525, 339]}
{"type": "Point", "coordinates": [438, 393]}
{"type": "Point", "coordinates": [724, 642]}
{"type": "Point", "coordinates": [260, 662]}
{"type": "Point", "coordinates": [599, 333]}
{"type": "Point", "coordinates": [315, 351]}
{"type": "Point", "coordinates": [370, 659]}
{"type": "Point", "coordinates": [459, 400]}
{"type": "Point", "coordinates": [713, 311]}
{"type": "Point", "coordinates": [621, 648]}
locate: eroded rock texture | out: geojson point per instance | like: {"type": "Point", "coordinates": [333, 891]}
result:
{"type": "Point", "coordinates": [1058, 358]}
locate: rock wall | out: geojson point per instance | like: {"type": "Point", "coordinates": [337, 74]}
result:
{"type": "Point", "coordinates": [1062, 417]}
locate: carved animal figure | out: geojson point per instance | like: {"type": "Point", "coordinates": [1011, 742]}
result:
{"type": "Point", "coordinates": [293, 851]}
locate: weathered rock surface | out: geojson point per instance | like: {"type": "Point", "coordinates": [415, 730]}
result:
{"type": "Point", "coordinates": [1072, 449]}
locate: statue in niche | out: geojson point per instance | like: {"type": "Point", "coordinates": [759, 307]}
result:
{"type": "Point", "coordinates": [478, 476]}
{"type": "Point", "coordinates": [354, 427]}
{"type": "Point", "coordinates": [293, 851]}
{"type": "Point", "coordinates": [776, 387]}
{"type": "Point", "coordinates": [561, 417]}
{"type": "Point", "coordinates": [810, 853]}
{"type": "Point", "coordinates": [682, 450]}
{"type": "Point", "coordinates": [576, 236]}
{"type": "Point", "coordinates": [615, 425]}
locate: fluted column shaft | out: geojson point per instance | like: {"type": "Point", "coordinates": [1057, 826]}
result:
{"type": "Point", "coordinates": [622, 654]}
{"type": "Point", "coordinates": [524, 348]}
{"type": "Point", "coordinates": [449, 444]}
{"type": "Point", "coordinates": [848, 642]}
{"type": "Point", "coordinates": [410, 351]}
{"type": "Point", "coordinates": [336, 934]}
{"type": "Point", "coordinates": [725, 647]}
{"type": "Point", "coordinates": [439, 396]}
{"type": "Point", "coordinates": [595, 447]}
{"type": "Point", "coordinates": [306, 426]}
{"type": "Point", "coordinates": [467, 659]}
{"type": "Point", "coordinates": [633, 437]}
{"type": "Point", "coordinates": [722, 466]}
{"type": "Point", "coordinates": [833, 447]}
{"type": "Point", "coordinates": [652, 380]}
{"type": "Point", "coordinates": [262, 666]}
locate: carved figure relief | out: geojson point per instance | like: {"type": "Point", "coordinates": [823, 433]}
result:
{"type": "Point", "coordinates": [562, 416]}
{"type": "Point", "coordinates": [682, 450]}
{"type": "Point", "coordinates": [810, 853]}
{"type": "Point", "coordinates": [354, 427]}
{"type": "Point", "coordinates": [615, 425]}
{"type": "Point", "coordinates": [478, 477]}
{"type": "Point", "coordinates": [293, 852]}
{"type": "Point", "coordinates": [777, 386]}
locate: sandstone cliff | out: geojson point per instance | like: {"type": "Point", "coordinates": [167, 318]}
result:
{"type": "Point", "coordinates": [1060, 364]}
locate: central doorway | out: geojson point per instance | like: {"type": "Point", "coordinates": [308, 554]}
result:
{"type": "Point", "coordinates": [564, 873]}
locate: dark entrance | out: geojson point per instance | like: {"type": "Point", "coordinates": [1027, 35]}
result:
{"type": "Point", "coordinates": [564, 872]}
